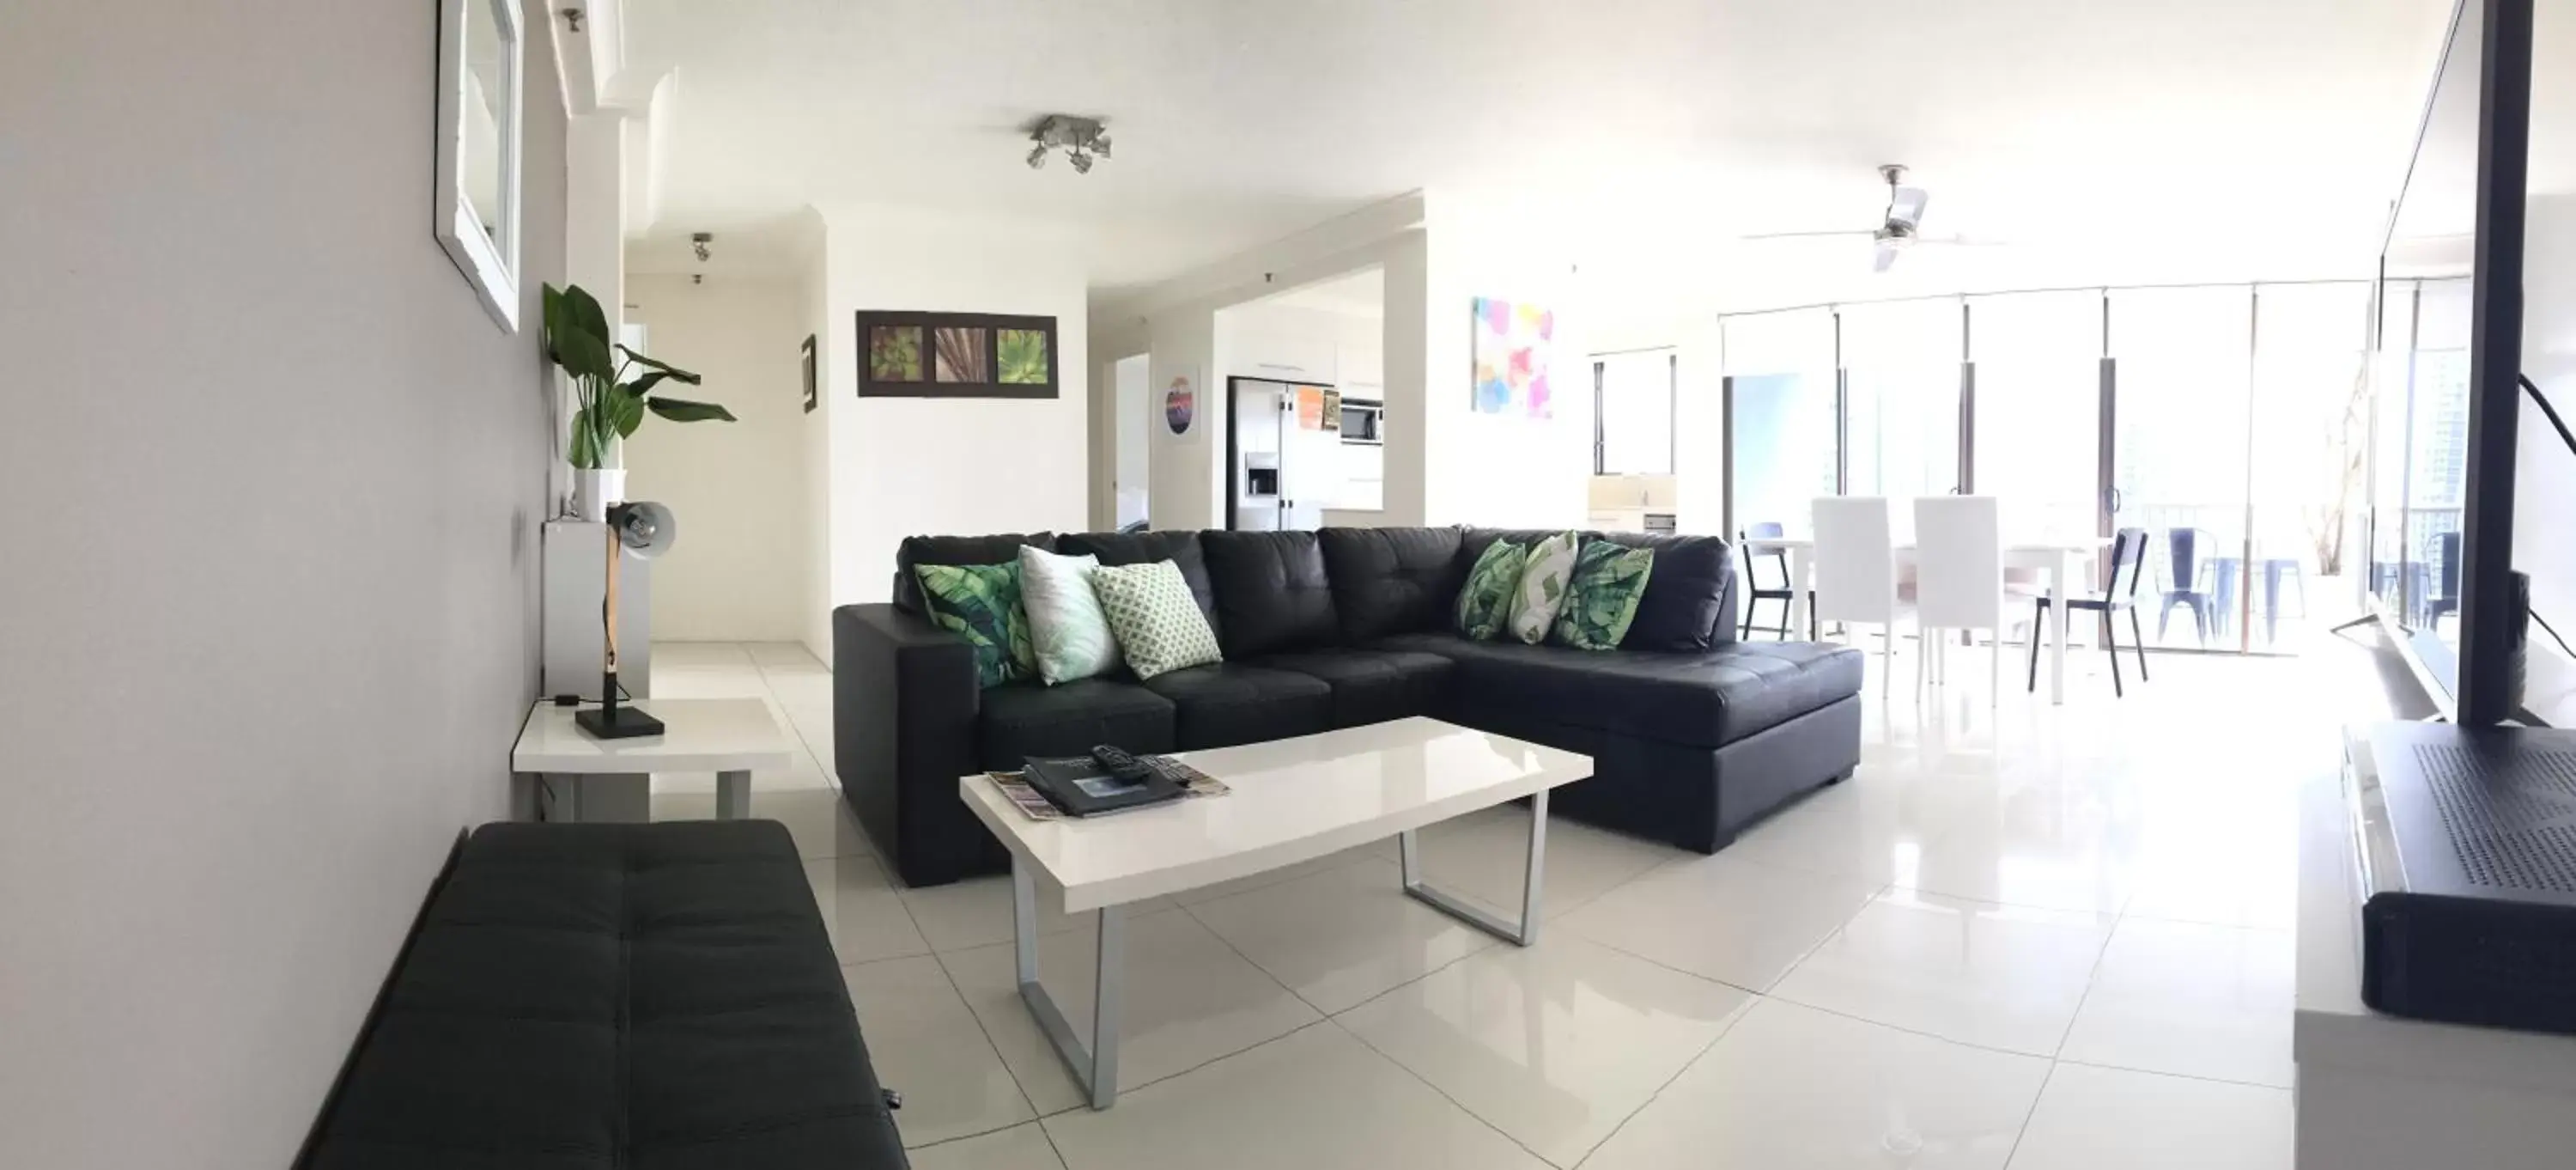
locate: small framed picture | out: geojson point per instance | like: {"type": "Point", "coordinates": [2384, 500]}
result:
{"type": "Point", "coordinates": [810, 399]}
{"type": "Point", "coordinates": [956, 355]}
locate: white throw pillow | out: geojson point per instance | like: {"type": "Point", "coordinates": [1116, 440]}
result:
{"type": "Point", "coordinates": [1542, 588]}
{"type": "Point", "coordinates": [1157, 620]}
{"type": "Point", "coordinates": [1066, 627]}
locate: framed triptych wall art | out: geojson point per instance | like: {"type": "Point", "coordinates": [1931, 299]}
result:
{"type": "Point", "coordinates": [956, 355]}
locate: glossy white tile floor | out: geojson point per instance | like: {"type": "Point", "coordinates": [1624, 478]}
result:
{"type": "Point", "coordinates": [2022, 936]}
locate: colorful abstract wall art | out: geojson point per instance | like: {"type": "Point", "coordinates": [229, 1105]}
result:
{"type": "Point", "coordinates": [1514, 343]}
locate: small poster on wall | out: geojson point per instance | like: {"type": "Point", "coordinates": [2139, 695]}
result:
{"type": "Point", "coordinates": [1181, 401]}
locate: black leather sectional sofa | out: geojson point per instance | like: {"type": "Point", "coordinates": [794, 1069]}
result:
{"type": "Point", "coordinates": [1692, 733]}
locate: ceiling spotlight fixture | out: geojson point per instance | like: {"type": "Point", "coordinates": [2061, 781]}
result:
{"type": "Point", "coordinates": [1081, 140]}
{"type": "Point", "coordinates": [698, 242]}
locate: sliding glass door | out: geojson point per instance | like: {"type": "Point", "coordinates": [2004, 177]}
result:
{"type": "Point", "coordinates": [1901, 370]}
{"type": "Point", "coordinates": [2182, 383]}
{"type": "Point", "coordinates": [2227, 422]}
{"type": "Point", "coordinates": [2035, 364]}
{"type": "Point", "coordinates": [1782, 417]}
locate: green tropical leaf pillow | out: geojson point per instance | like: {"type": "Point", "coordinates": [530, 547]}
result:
{"type": "Point", "coordinates": [1487, 598]}
{"type": "Point", "coordinates": [982, 602]}
{"type": "Point", "coordinates": [1541, 592]}
{"type": "Point", "coordinates": [1601, 599]}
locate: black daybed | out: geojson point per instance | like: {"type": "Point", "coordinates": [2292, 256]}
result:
{"type": "Point", "coordinates": [1693, 734]}
{"type": "Point", "coordinates": [643, 996]}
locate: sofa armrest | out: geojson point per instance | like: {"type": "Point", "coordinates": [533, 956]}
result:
{"type": "Point", "coordinates": [904, 702]}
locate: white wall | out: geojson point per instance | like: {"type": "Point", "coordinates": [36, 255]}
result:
{"type": "Point", "coordinates": [834, 392]}
{"type": "Point", "coordinates": [270, 619]}
{"type": "Point", "coordinates": [739, 570]}
{"type": "Point", "coordinates": [1132, 421]}
{"type": "Point", "coordinates": [1488, 469]}
{"type": "Point", "coordinates": [909, 466]}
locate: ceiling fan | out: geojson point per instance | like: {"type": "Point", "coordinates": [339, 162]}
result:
{"type": "Point", "coordinates": [1898, 230]}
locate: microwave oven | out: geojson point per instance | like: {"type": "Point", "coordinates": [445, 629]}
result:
{"type": "Point", "coordinates": [1363, 421]}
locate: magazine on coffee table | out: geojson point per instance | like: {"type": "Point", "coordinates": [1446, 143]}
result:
{"type": "Point", "coordinates": [1034, 805]}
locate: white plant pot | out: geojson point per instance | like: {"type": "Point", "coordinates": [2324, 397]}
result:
{"type": "Point", "coordinates": [594, 489]}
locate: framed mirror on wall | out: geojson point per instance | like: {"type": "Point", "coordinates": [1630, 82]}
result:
{"type": "Point", "coordinates": [479, 92]}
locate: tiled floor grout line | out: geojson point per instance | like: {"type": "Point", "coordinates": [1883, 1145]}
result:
{"type": "Point", "coordinates": [2028, 1115]}
{"type": "Point", "coordinates": [1455, 1103]}
{"type": "Point", "coordinates": [1687, 1065]}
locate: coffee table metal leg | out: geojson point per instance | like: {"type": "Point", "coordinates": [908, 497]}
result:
{"type": "Point", "coordinates": [1523, 932]}
{"type": "Point", "coordinates": [733, 795]}
{"type": "Point", "coordinates": [1094, 1064]}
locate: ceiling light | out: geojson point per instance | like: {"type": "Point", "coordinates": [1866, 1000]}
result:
{"type": "Point", "coordinates": [1081, 140]}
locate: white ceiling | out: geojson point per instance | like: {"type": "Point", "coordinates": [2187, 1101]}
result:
{"type": "Point", "coordinates": [2106, 140]}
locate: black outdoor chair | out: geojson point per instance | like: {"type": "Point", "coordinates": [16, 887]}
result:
{"type": "Point", "coordinates": [2128, 564]}
{"type": "Point", "coordinates": [2182, 559]}
{"type": "Point", "coordinates": [1755, 592]}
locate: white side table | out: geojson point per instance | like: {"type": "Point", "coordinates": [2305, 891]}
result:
{"type": "Point", "coordinates": [611, 779]}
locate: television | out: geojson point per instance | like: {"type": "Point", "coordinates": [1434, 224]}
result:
{"type": "Point", "coordinates": [2448, 353]}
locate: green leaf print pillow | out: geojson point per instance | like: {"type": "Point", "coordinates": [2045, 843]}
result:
{"type": "Point", "coordinates": [982, 602]}
{"type": "Point", "coordinates": [1541, 592]}
{"type": "Point", "coordinates": [1487, 598]}
{"type": "Point", "coordinates": [1601, 599]}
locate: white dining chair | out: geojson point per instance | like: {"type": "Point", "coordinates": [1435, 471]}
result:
{"type": "Point", "coordinates": [1958, 581]}
{"type": "Point", "coordinates": [1855, 569]}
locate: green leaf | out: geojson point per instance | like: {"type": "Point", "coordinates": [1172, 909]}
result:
{"type": "Point", "coordinates": [585, 441]}
{"type": "Point", "coordinates": [644, 385]}
{"type": "Point", "coordinates": [625, 412]}
{"type": "Point", "coordinates": [665, 367]}
{"type": "Point", "coordinates": [582, 314]}
{"type": "Point", "coordinates": [581, 355]}
{"type": "Point", "coordinates": [681, 410]}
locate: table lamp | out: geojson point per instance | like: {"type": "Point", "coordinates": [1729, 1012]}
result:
{"type": "Point", "coordinates": [647, 530]}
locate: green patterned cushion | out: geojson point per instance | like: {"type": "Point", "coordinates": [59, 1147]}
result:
{"type": "Point", "coordinates": [1487, 597]}
{"type": "Point", "coordinates": [982, 602]}
{"type": "Point", "coordinates": [1157, 621]}
{"type": "Point", "coordinates": [1541, 591]}
{"type": "Point", "coordinates": [1601, 600]}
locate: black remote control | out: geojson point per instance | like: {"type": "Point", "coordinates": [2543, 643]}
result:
{"type": "Point", "coordinates": [1120, 763]}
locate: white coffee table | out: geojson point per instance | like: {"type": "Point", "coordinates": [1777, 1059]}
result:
{"type": "Point", "coordinates": [1293, 800]}
{"type": "Point", "coordinates": [730, 737]}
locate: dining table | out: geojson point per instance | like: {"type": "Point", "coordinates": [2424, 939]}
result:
{"type": "Point", "coordinates": [2061, 560]}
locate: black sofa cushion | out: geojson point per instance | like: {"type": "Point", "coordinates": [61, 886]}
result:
{"type": "Point", "coordinates": [1708, 699]}
{"type": "Point", "coordinates": [650, 995]}
{"type": "Point", "coordinates": [1272, 593]}
{"type": "Point", "coordinates": [954, 550]}
{"type": "Point", "coordinates": [1373, 686]}
{"type": "Point", "coordinates": [1686, 605]}
{"type": "Point", "coordinates": [1179, 546]}
{"type": "Point", "coordinates": [1391, 580]}
{"type": "Point", "coordinates": [1228, 703]}
{"type": "Point", "coordinates": [1028, 720]}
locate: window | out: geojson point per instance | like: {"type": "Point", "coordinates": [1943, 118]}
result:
{"type": "Point", "coordinates": [1901, 364]}
{"type": "Point", "coordinates": [2036, 443]}
{"type": "Point", "coordinates": [1783, 420]}
{"type": "Point", "coordinates": [1633, 412]}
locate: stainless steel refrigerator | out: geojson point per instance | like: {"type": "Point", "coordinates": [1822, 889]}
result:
{"type": "Point", "coordinates": [1284, 454]}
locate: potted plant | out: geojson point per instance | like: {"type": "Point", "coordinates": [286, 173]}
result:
{"type": "Point", "coordinates": [612, 402]}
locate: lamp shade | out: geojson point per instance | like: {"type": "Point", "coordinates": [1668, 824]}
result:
{"type": "Point", "coordinates": [647, 529]}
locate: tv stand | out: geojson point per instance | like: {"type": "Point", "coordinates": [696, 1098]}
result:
{"type": "Point", "coordinates": [2377, 1092]}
